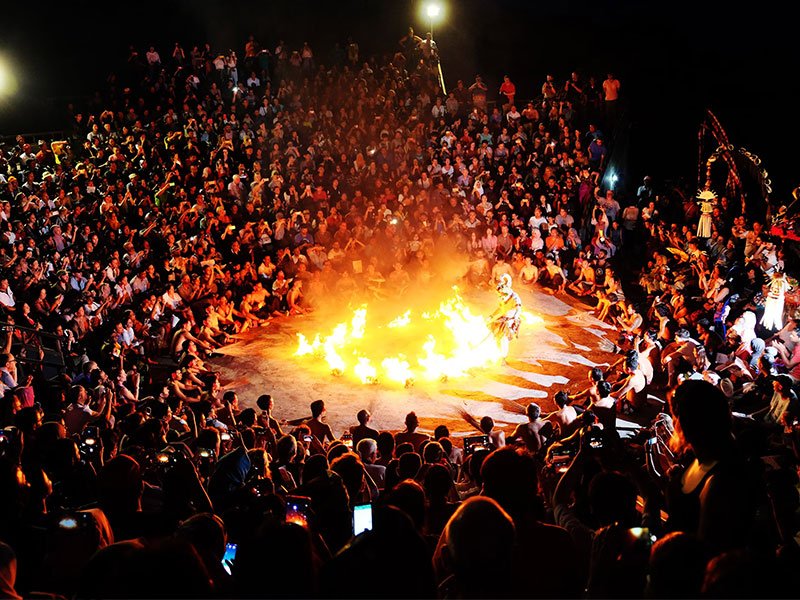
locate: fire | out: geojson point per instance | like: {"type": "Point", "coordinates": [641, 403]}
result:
{"type": "Point", "coordinates": [402, 320]}
{"type": "Point", "coordinates": [431, 345]}
{"type": "Point", "coordinates": [397, 369]}
{"type": "Point", "coordinates": [365, 371]}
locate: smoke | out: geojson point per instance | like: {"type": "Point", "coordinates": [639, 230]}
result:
{"type": "Point", "coordinates": [429, 281]}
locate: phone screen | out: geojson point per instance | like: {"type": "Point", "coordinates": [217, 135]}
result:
{"type": "Point", "coordinates": [68, 523]}
{"type": "Point", "coordinates": [475, 442]}
{"type": "Point", "coordinates": [297, 510]}
{"type": "Point", "coordinates": [362, 518]}
{"type": "Point", "coordinates": [229, 557]}
{"type": "Point", "coordinates": [642, 534]}
{"type": "Point", "coordinates": [596, 442]}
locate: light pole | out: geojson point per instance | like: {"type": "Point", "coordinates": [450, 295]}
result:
{"type": "Point", "coordinates": [433, 10]}
{"type": "Point", "coordinates": [8, 82]}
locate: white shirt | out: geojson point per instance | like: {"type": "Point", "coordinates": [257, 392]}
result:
{"type": "Point", "coordinates": [7, 298]}
{"type": "Point", "coordinates": [536, 222]}
{"type": "Point", "coordinates": [172, 300]}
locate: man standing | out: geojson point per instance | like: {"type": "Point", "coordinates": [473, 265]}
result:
{"type": "Point", "coordinates": [549, 88]}
{"type": "Point", "coordinates": [478, 91]}
{"type": "Point", "coordinates": [509, 90]}
{"type": "Point", "coordinates": [611, 91]}
{"type": "Point", "coordinates": [645, 193]}
{"type": "Point", "coordinates": [597, 154]}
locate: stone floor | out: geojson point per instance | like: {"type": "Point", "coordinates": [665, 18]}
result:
{"type": "Point", "coordinates": [549, 356]}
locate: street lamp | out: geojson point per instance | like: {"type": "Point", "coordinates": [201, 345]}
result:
{"type": "Point", "coordinates": [8, 83]}
{"type": "Point", "coordinates": [433, 10]}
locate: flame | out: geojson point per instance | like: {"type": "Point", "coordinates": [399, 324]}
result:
{"type": "Point", "coordinates": [433, 345]}
{"type": "Point", "coordinates": [530, 318]}
{"type": "Point", "coordinates": [304, 348]}
{"type": "Point", "coordinates": [359, 323]}
{"type": "Point", "coordinates": [402, 320]}
{"type": "Point", "coordinates": [365, 371]}
{"type": "Point", "coordinates": [397, 369]}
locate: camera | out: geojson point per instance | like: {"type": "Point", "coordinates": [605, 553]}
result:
{"type": "Point", "coordinates": [165, 458]}
{"type": "Point", "coordinates": [476, 442]}
{"type": "Point", "coordinates": [88, 447]}
{"type": "Point", "coordinates": [298, 510]}
{"type": "Point", "coordinates": [560, 459]}
{"type": "Point", "coordinates": [89, 442]}
{"type": "Point", "coordinates": [72, 521]}
{"type": "Point", "coordinates": [205, 453]}
{"type": "Point", "coordinates": [205, 458]}
{"type": "Point", "coordinates": [594, 437]}
{"type": "Point", "coordinates": [641, 535]}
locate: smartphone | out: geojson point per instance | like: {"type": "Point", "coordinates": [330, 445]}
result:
{"type": "Point", "coordinates": [347, 439]}
{"type": "Point", "coordinates": [362, 518]}
{"type": "Point", "coordinates": [73, 521]}
{"type": "Point", "coordinates": [596, 438]}
{"type": "Point", "coordinates": [229, 557]}
{"type": "Point", "coordinates": [297, 510]}
{"type": "Point", "coordinates": [475, 442]}
{"type": "Point", "coordinates": [642, 534]}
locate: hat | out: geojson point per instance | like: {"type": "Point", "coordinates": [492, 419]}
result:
{"type": "Point", "coordinates": [46, 174]}
{"type": "Point", "coordinates": [706, 195]}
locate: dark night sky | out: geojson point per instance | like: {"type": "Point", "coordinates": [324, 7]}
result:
{"type": "Point", "coordinates": [674, 59]}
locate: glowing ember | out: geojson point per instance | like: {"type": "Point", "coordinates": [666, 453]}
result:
{"type": "Point", "coordinates": [433, 345]}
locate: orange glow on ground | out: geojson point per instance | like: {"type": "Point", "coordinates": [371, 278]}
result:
{"type": "Point", "coordinates": [417, 345]}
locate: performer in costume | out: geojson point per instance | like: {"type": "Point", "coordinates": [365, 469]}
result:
{"type": "Point", "coordinates": [507, 317]}
{"type": "Point", "coordinates": [707, 200]}
{"type": "Point", "coordinates": [773, 306]}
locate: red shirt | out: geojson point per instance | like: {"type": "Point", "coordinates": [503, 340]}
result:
{"type": "Point", "coordinates": [795, 370]}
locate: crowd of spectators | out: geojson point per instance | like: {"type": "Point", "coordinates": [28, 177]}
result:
{"type": "Point", "coordinates": [203, 196]}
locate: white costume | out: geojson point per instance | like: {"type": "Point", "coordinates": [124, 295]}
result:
{"type": "Point", "coordinates": [506, 319]}
{"type": "Point", "coordinates": [773, 307]}
{"type": "Point", "coordinates": [706, 208]}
